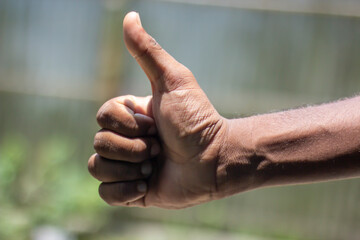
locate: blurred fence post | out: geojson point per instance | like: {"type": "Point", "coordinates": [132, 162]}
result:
{"type": "Point", "coordinates": [111, 64]}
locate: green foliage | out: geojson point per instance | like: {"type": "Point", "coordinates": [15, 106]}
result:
{"type": "Point", "coordinates": [45, 182]}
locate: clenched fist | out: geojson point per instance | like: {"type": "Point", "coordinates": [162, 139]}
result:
{"type": "Point", "coordinates": [161, 150]}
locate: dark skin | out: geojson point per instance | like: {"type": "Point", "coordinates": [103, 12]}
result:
{"type": "Point", "coordinates": [173, 150]}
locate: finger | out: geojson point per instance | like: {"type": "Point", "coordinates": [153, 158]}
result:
{"type": "Point", "coordinates": [120, 193]}
{"type": "Point", "coordinates": [106, 170]}
{"type": "Point", "coordinates": [113, 146]}
{"type": "Point", "coordinates": [163, 71]}
{"type": "Point", "coordinates": [128, 115]}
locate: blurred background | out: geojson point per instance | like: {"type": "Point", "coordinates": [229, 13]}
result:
{"type": "Point", "coordinates": [61, 59]}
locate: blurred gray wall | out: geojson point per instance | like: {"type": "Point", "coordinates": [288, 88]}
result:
{"type": "Point", "coordinates": [247, 61]}
{"type": "Point", "coordinates": [255, 61]}
{"type": "Point", "coordinates": [49, 47]}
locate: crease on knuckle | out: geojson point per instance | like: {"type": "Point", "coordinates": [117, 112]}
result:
{"type": "Point", "coordinates": [151, 46]}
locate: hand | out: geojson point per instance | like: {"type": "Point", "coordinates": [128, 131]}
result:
{"type": "Point", "coordinates": [161, 150]}
{"type": "Point", "coordinates": [173, 150]}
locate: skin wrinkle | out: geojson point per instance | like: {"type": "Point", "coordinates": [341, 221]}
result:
{"type": "Point", "coordinates": [152, 42]}
{"type": "Point", "coordinates": [129, 105]}
{"type": "Point", "coordinates": [196, 117]}
{"type": "Point", "coordinates": [238, 166]}
{"type": "Point", "coordinates": [204, 154]}
{"type": "Point", "coordinates": [208, 134]}
{"type": "Point", "coordinates": [147, 53]}
{"type": "Point", "coordinates": [215, 183]}
{"type": "Point", "coordinates": [197, 125]}
{"type": "Point", "coordinates": [174, 82]}
{"type": "Point", "coordinates": [213, 192]}
{"type": "Point", "coordinates": [191, 158]}
{"type": "Point", "coordinates": [181, 116]}
{"type": "Point", "coordinates": [224, 155]}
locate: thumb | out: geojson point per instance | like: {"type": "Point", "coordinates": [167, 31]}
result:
{"type": "Point", "coordinates": [163, 71]}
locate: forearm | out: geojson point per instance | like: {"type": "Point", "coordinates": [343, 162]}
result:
{"type": "Point", "coordinates": [304, 145]}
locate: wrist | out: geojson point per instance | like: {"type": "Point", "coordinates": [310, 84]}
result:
{"type": "Point", "coordinates": [237, 162]}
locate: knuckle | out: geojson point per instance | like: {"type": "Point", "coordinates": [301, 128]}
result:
{"type": "Point", "coordinates": [106, 111]}
{"type": "Point", "coordinates": [148, 49]}
{"type": "Point", "coordinates": [101, 117]}
{"type": "Point", "coordinates": [115, 114]}
{"type": "Point", "coordinates": [100, 142]}
{"type": "Point", "coordinates": [92, 166]}
{"type": "Point", "coordinates": [103, 113]}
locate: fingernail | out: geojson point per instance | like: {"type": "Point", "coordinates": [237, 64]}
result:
{"type": "Point", "coordinates": [155, 149]}
{"type": "Point", "coordinates": [138, 20]}
{"type": "Point", "coordinates": [141, 187]}
{"type": "Point", "coordinates": [146, 168]}
{"type": "Point", "coordinates": [152, 130]}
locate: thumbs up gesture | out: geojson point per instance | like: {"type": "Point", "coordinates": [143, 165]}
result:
{"type": "Point", "coordinates": [162, 150]}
